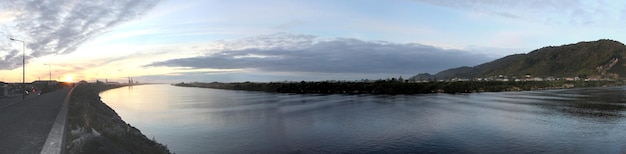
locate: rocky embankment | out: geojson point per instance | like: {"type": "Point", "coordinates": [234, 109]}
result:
{"type": "Point", "coordinates": [93, 127]}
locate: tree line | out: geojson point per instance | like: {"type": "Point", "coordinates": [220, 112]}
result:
{"type": "Point", "coordinates": [397, 87]}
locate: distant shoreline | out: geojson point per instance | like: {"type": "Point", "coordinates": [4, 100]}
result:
{"type": "Point", "coordinates": [396, 87]}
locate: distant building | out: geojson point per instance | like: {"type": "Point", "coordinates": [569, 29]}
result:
{"type": "Point", "coordinates": [112, 83]}
{"type": "Point", "coordinates": [39, 84]}
{"type": "Point", "coordinates": [45, 82]}
{"type": "Point", "coordinates": [4, 89]}
{"type": "Point", "coordinates": [459, 79]}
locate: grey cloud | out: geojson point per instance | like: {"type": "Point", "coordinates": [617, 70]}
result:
{"type": "Point", "coordinates": [61, 26]}
{"type": "Point", "coordinates": [343, 55]}
{"type": "Point", "coordinates": [278, 40]}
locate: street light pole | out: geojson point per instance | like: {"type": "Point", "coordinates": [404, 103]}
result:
{"type": "Point", "coordinates": [23, 67]}
{"type": "Point", "coordinates": [49, 70]}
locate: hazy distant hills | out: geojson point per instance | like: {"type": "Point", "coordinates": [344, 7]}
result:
{"type": "Point", "coordinates": [595, 59]}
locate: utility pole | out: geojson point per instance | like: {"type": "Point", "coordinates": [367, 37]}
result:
{"type": "Point", "coordinates": [49, 71]}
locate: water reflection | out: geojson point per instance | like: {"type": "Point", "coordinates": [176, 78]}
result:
{"type": "Point", "coordinates": [195, 120]}
{"type": "Point", "coordinates": [599, 103]}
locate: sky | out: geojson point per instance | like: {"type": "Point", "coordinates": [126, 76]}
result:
{"type": "Point", "coordinates": [169, 41]}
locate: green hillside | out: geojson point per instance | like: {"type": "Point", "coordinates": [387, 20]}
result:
{"type": "Point", "coordinates": [595, 59]}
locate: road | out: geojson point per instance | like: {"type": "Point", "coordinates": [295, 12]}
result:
{"type": "Point", "coordinates": [24, 125]}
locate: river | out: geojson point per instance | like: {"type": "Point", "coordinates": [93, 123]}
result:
{"type": "Point", "coordinates": [197, 120]}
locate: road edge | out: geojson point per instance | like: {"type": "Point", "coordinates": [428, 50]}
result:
{"type": "Point", "coordinates": [56, 138]}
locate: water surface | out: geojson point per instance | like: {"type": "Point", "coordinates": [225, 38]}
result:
{"type": "Point", "coordinates": [197, 120]}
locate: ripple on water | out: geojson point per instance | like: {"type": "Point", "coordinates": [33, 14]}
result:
{"type": "Point", "coordinates": [195, 120]}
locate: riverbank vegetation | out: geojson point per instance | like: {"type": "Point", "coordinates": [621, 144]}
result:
{"type": "Point", "coordinates": [399, 87]}
{"type": "Point", "coordinates": [96, 128]}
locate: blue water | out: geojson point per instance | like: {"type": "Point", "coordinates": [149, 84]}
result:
{"type": "Point", "coordinates": [197, 120]}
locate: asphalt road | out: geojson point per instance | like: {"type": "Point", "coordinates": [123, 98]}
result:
{"type": "Point", "coordinates": [24, 125]}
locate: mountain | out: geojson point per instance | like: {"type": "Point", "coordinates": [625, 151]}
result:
{"type": "Point", "coordinates": [595, 59]}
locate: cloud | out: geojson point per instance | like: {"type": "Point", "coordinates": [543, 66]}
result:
{"type": "Point", "coordinates": [309, 54]}
{"type": "Point", "coordinates": [61, 26]}
{"type": "Point", "coordinates": [575, 12]}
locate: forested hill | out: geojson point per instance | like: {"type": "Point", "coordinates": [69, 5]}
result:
{"type": "Point", "coordinates": [595, 59]}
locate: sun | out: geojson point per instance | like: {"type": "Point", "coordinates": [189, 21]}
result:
{"type": "Point", "coordinates": [68, 78]}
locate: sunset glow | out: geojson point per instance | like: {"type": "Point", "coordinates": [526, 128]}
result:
{"type": "Point", "coordinates": [68, 78]}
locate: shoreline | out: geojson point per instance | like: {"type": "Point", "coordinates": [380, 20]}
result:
{"type": "Point", "coordinates": [400, 88]}
{"type": "Point", "coordinates": [94, 127]}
